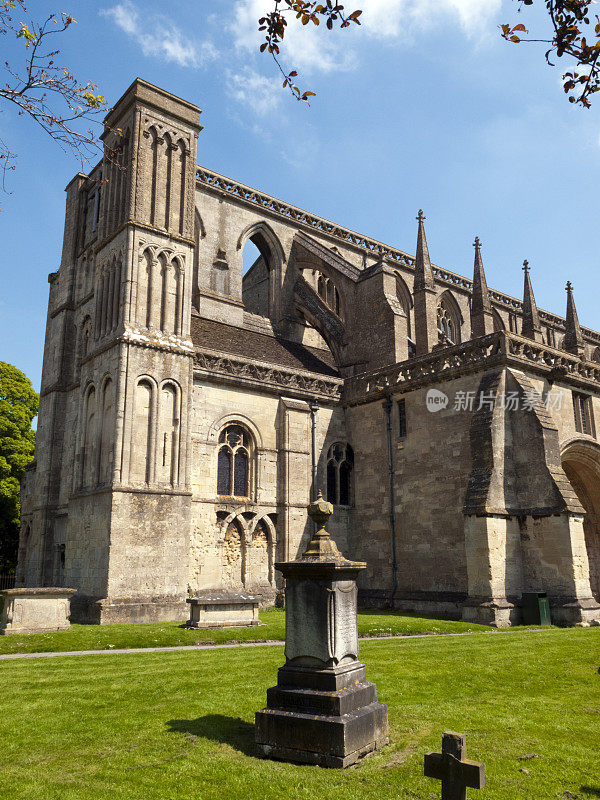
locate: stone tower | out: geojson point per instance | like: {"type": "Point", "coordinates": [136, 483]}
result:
{"type": "Point", "coordinates": [128, 521]}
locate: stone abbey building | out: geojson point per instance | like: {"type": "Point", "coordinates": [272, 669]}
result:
{"type": "Point", "coordinates": [189, 412]}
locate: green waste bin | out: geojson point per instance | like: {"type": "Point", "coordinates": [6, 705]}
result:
{"type": "Point", "coordinates": [535, 609]}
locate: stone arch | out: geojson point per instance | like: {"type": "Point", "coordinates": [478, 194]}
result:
{"type": "Point", "coordinates": [168, 432]}
{"type": "Point", "coordinates": [217, 426]}
{"type": "Point", "coordinates": [581, 463]}
{"type": "Point", "coordinates": [233, 561]}
{"type": "Point", "coordinates": [449, 316]}
{"type": "Point", "coordinates": [405, 299]}
{"type": "Point", "coordinates": [142, 432]}
{"type": "Point", "coordinates": [596, 355]}
{"type": "Point", "coordinates": [273, 256]}
{"type": "Point", "coordinates": [260, 558]}
{"type": "Point", "coordinates": [106, 429]}
{"type": "Point", "coordinates": [265, 238]}
{"type": "Point", "coordinates": [498, 321]}
{"type": "Point", "coordinates": [89, 436]}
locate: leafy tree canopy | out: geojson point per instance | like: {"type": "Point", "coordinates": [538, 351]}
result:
{"type": "Point", "coordinates": [18, 406]}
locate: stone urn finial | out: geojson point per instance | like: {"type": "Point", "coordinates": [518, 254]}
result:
{"type": "Point", "coordinates": [321, 547]}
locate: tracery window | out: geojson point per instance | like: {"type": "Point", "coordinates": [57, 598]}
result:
{"type": "Point", "coordinates": [447, 327]}
{"type": "Point", "coordinates": [340, 461]}
{"type": "Point", "coordinates": [233, 462]}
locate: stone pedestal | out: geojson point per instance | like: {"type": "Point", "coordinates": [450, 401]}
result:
{"type": "Point", "coordinates": [220, 609]}
{"type": "Point", "coordinates": [323, 710]}
{"type": "Point", "coordinates": [35, 610]}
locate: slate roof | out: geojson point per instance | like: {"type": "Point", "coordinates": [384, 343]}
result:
{"type": "Point", "coordinates": [230, 340]}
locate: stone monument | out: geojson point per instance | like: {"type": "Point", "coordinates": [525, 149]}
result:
{"type": "Point", "coordinates": [219, 608]}
{"type": "Point", "coordinates": [323, 710]}
{"type": "Point", "coordinates": [36, 610]}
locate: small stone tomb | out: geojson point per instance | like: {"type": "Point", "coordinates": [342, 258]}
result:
{"type": "Point", "coordinates": [217, 608]}
{"type": "Point", "coordinates": [453, 768]}
{"type": "Point", "coordinates": [323, 710]}
{"type": "Point", "coordinates": [35, 610]}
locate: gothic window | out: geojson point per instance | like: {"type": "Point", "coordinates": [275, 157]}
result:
{"type": "Point", "coordinates": [340, 461]}
{"type": "Point", "coordinates": [596, 355]}
{"type": "Point", "coordinates": [448, 323]}
{"type": "Point", "coordinates": [233, 462]}
{"type": "Point", "coordinates": [512, 322]}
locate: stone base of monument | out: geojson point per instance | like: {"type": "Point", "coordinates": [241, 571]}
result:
{"type": "Point", "coordinates": [37, 610]}
{"type": "Point", "coordinates": [220, 609]}
{"type": "Point", "coordinates": [327, 717]}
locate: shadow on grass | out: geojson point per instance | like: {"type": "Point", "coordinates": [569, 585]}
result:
{"type": "Point", "coordinates": [593, 791]}
{"type": "Point", "coordinates": [235, 732]}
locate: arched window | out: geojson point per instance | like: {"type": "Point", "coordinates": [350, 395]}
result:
{"type": "Point", "coordinates": [448, 323]}
{"type": "Point", "coordinates": [233, 462]}
{"type": "Point", "coordinates": [340, 461]}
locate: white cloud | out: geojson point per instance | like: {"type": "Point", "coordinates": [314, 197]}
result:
{"type": "Point", "coordinates": [158, 37]}
{"type": "Point", "coordinates": [262, 95]}
{"type": "Point", "coordinates": [307, 48]}
{"type": "Point", "coordinates": [311, 48]}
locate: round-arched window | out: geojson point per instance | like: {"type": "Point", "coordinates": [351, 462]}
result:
{"type": "Point", "coordinates": [233, 462]}
{"type": "Point", "coordinates": [340, 461]}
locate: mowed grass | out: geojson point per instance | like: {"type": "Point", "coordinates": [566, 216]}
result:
{"type": "Point", "coordinates": [172, 634]}
{"type": "Point", "coordinates": [177, 726]}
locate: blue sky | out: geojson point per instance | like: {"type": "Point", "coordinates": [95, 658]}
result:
{"type": "Point", "coordinates": [423, 106]}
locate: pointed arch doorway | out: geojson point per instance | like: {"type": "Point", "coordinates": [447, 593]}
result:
{"type": "Point", "coordinates": [581, 463]}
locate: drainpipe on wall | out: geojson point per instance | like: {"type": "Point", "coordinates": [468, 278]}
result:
{"type": "Point", "coordinates": [387, 407]}
{"type": "Point", "coordinates": [314, 407]}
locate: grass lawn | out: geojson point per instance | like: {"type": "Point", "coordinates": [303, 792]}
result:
{"type": "Point", "coordinates": [177, 726]}
{"type": "Point", "coordinates": [169, 634]}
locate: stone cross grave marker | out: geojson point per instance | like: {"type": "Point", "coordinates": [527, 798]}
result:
{"type": "Point", "coordinates": [453, 768]}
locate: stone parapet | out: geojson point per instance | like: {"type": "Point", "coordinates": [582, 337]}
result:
{"type": "Point", "coordinates": [495, 350]}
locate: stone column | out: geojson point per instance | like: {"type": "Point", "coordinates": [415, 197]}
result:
{"type": "Point", "coordinates": [322, 711]}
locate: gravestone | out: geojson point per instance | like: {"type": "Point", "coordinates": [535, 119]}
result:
{"type": "Point", "coordinates": [218, 608]}
{"type": "Point", "coordinates": [323, 710]}
{"type": "Point", "coordinates": [453, 768]}
{"type": "Point", "coordinates": [37, 610]}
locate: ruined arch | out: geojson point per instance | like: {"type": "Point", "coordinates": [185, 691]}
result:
{"type": "Point", "coordinates": [581, 463]}
{"type": "Point", "coordinates": [261, 289]}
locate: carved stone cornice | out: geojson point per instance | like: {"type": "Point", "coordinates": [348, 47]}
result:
{"type": "Point", "coordinates": [214, 365]}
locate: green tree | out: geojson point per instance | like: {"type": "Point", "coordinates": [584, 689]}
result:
{"type": "Point", "coordinates": [18, 406]}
